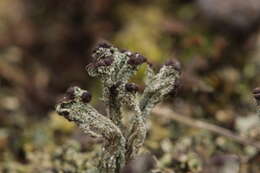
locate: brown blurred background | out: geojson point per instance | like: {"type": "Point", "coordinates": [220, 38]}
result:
{"type": "Point", "coordinates": [45, 45]}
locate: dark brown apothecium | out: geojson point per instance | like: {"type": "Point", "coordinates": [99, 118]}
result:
{"type": "Point", "coordinates": [104, 62]}
{"type": "Point", "coordinates": [113, 88]}
{"type": "Point", "coordinates": [70, 93]}
{"type": "Point", "coordinates": [101, 45]}
{"type": "Point", "coordinates": [108, 60]}
{"type": "Point", "coordinates": [256, 93]}
{"type": "Point", "coordinates": [136, 59]}
{"type": "Point", "coordinates": [104, 45]}
{"type": "Point", "coordinates": [86, 97]}
{"type": "Point", "coordinates": [131, 87]}
{"type": "Point", "coordinates": [175, 63]}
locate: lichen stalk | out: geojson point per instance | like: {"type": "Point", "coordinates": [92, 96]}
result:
{"type": "Point", "coordinates": [96, 125]}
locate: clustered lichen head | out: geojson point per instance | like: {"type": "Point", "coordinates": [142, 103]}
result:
{"type": "Point", "coordinates": [73, 97]}
{"type": "Point", "coordinates": [114, 67]}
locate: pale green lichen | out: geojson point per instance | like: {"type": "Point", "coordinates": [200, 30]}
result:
{"type": "Point", "coordinates": [114, 67]}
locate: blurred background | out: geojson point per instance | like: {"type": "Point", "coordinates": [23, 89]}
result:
{"type": "Point", "coordinates": [45, 45]}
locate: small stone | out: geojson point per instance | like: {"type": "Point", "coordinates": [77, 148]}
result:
{"type": "Point", "coordinates": [86, 97]}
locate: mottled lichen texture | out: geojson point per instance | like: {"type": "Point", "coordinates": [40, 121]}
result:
{"type": "Point", "coordinates": [114, 67]}
{"type": "Point", "coordinates": [256, 94]}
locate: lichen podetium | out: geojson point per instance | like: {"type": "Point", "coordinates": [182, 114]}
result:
{"type": "Point", "coordinates": [114, 67]}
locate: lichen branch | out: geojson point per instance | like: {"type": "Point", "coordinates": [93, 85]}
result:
{"type": "Point", "coordinates": [170, 114]}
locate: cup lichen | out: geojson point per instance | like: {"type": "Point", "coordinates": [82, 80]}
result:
{"type": "Point", "coordinates": [114, 67]}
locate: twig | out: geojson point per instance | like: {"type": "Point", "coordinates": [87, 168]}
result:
{"type": "Point", "coordinates": [168, 113]}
